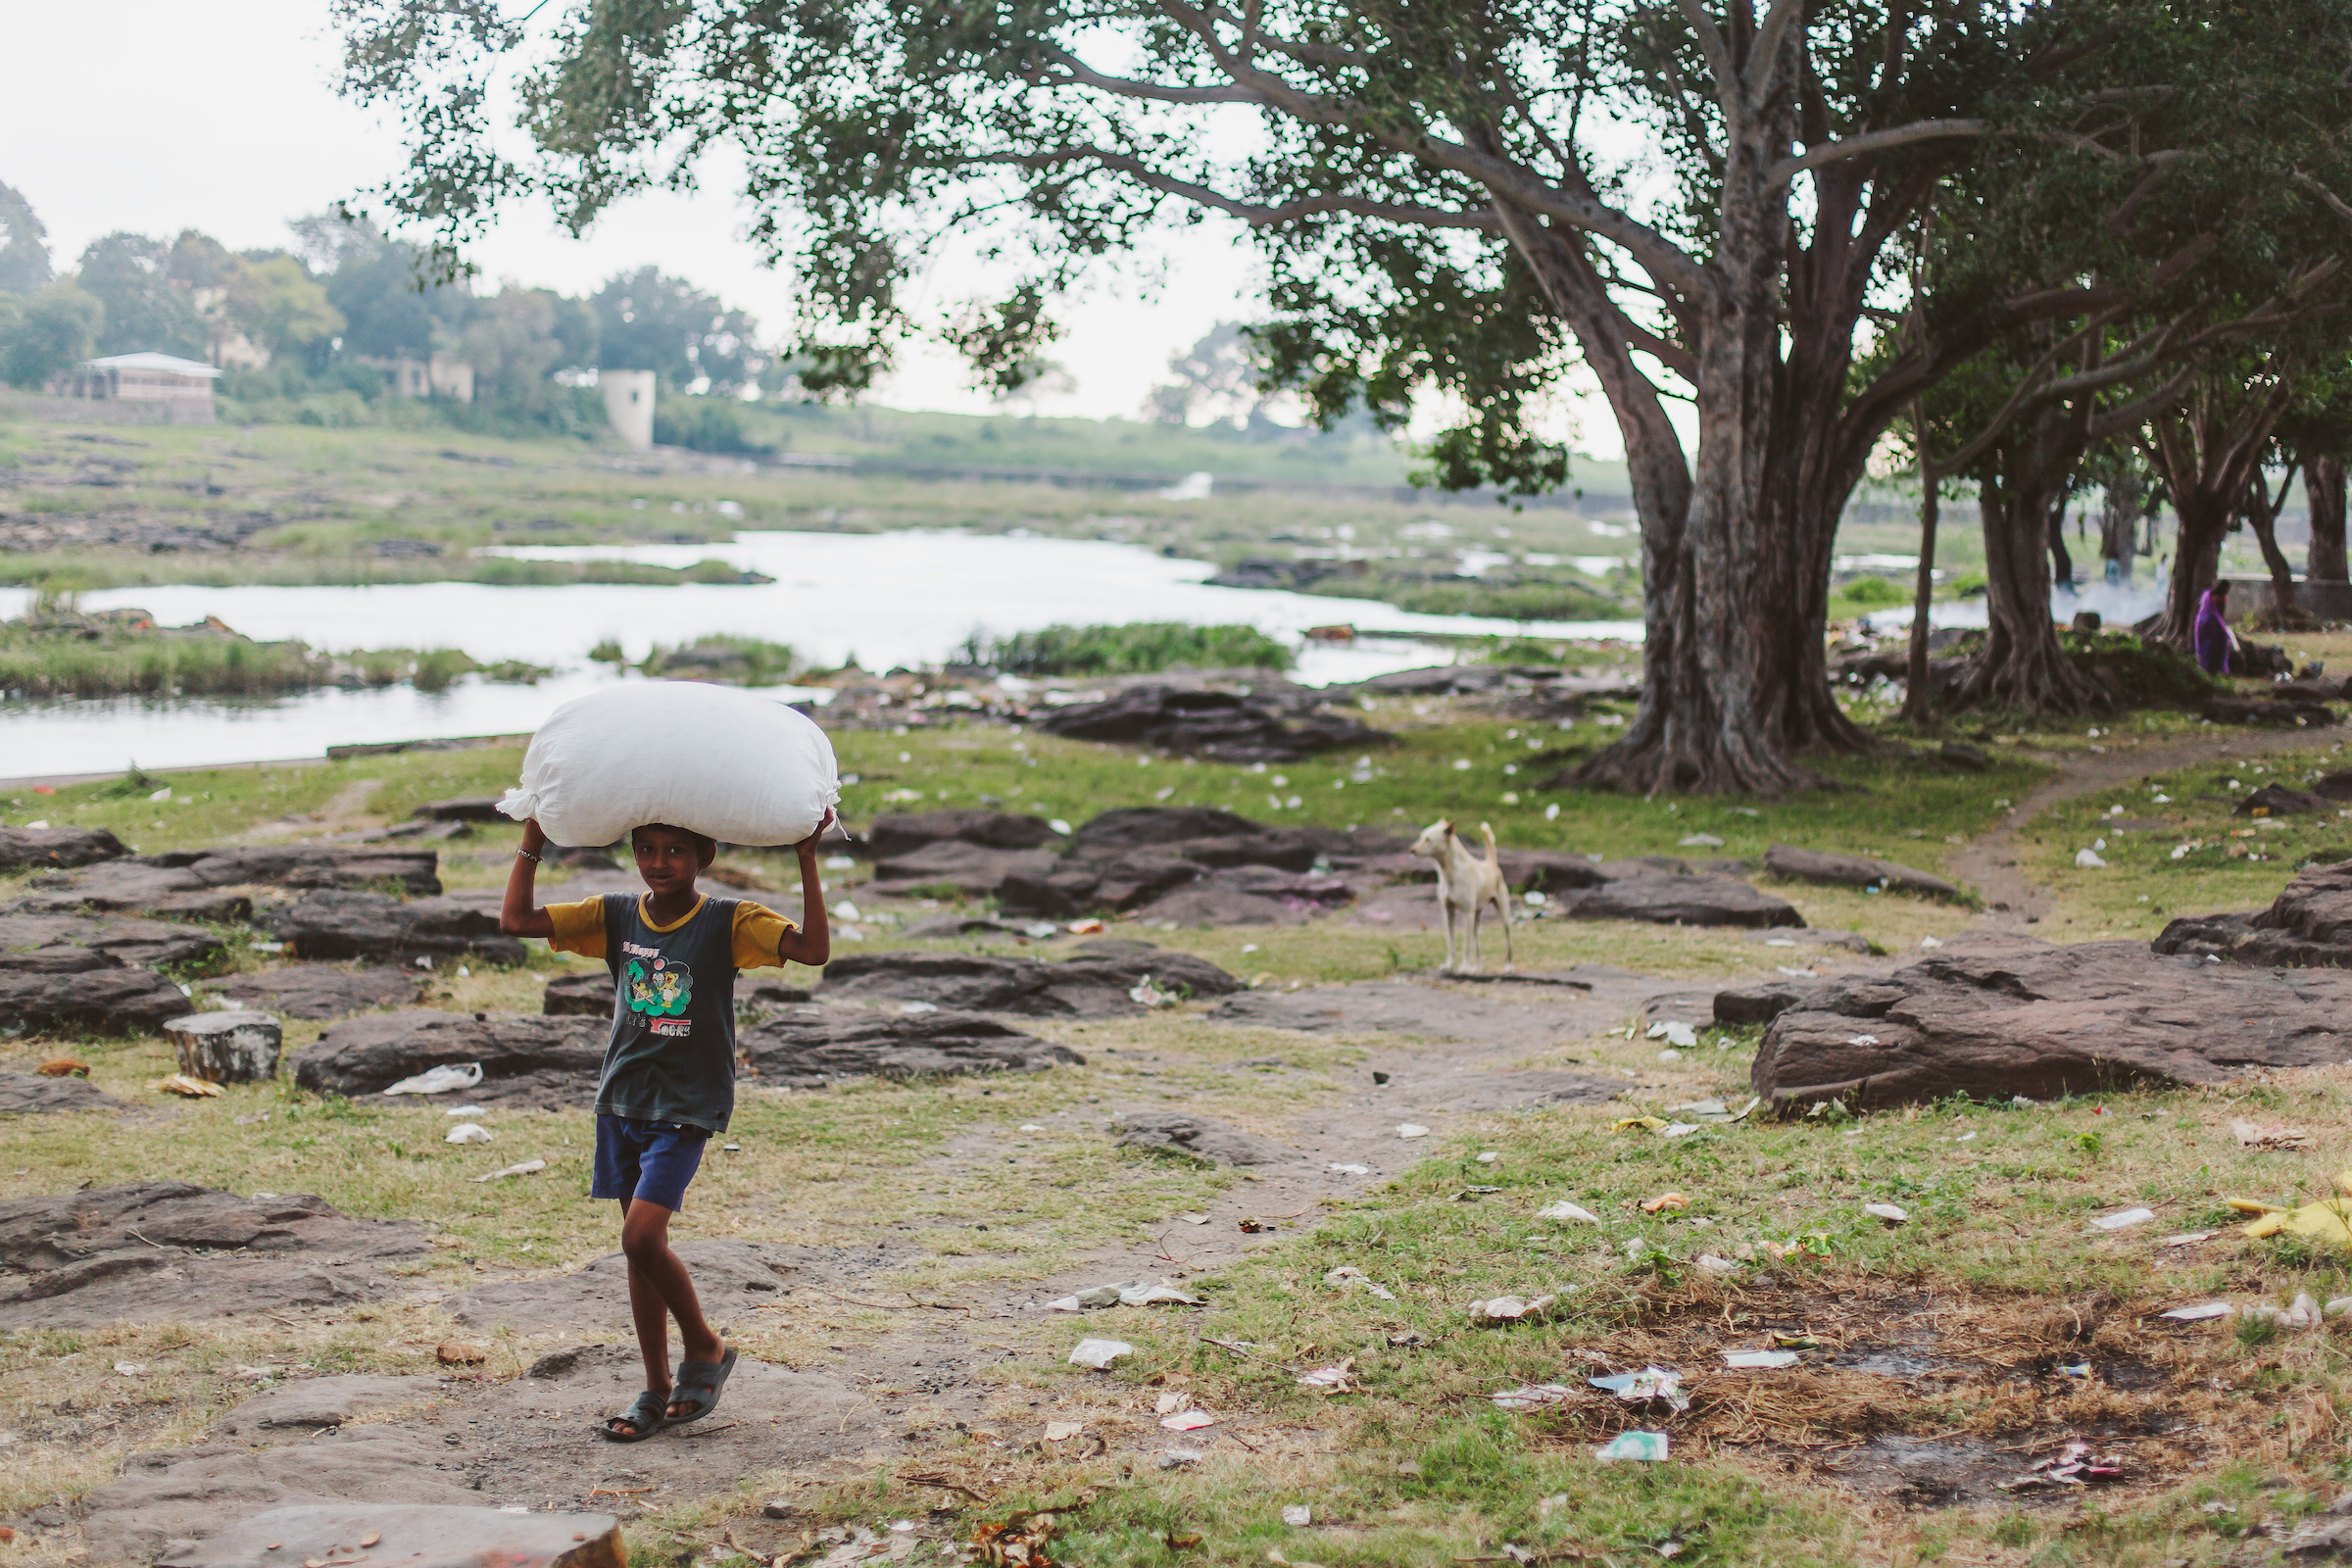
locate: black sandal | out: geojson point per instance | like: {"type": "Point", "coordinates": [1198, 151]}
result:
{"type": "Point", "coordinates": [700, 1381]}
{"type": "Point", "coordinates": [648, 1415]}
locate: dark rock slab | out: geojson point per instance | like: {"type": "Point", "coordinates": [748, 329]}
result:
{"type": "Point", "coordinates": [414, 1534]}
{"type": "Point", "coordinates": [1204, 1138]}
{"type": "Point", "coordinates": [2308, 924]}
{"type": "Point", "coordinates": [110, 1002]}
{"type": "Point", "coordinates": [320, 990]}
{"type": "Point", "coordinates": [1134, 827]}
{"type": "Point", "coordinates": [586, 995]}
{"type": "Point", "coordinates": [1854, 871]}
{"type": "Point", "coordinates": [968, 870]}
{"type": "Point", "coordinates": [465, 809]}
{"type": "Point", "coordinates": [28, 848]}
{"type": "Point", "coordinates": [62, 960]}
{"type": "Point", "coordinates": [1094, 985]}
{"type": "Point", "coordinates": [2259, 711]}
{"type": "Point", "coordinates": [310, 1405]}
{"type": "Point", "coordinates": [2335, 787]}
{"type": "Point", "coordinates": [1519, 1018]}
{"type": "Point", "coordinates": [1250, 895]}
{"type": "Point", "coordinates": [1131, 880]}
{"type": "Point", "coordinates": [808, 1046]}
{"type": "Point", "coordinates": [1995, 1016]}
{"type": "Point", "coordinates": [904, 833]}
{"type": "Point", "coordinates": [729, 1276]}
{"type": "Point", "coordinates": [952, 927]}
{"type": "Point", "coordinates": [135, 887]}
{"type": "Point", "coordinates": [1476, 1091]}
{"type": "Point", "coordinates": [540, 1063]}
{"type": "Point", "coordinates": [2279, 800]}
{"type": "Point", "coordinates": [1668, 899]}
{"type": "Point", "coordinates": [30, 1094]}
{"type": "Point", "coordinates": [1551, 871]}
{"type": "Point", "coordinates": [170, 1502]}
{"type": "Point", "coordinates": [1221, 726]}
{"type": "Point", "coordinates": [124, 939]}
{"type": "Point", "coordinates": [1761, 1003]}
{"type": "Point", "coordinates": [333, 923]}
{"type": "Point", "coordinates": [158, 1251]}
{"type": "Point", "coordinates": [310, 866]}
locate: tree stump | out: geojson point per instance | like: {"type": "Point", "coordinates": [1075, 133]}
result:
{"type": "Point", "coordinates": [226, 1048]}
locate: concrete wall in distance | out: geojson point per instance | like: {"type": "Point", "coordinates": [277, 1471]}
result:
{"type": "Point", "coordinates": [629, 405]}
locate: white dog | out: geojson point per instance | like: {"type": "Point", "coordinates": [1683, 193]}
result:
{"type": "Point", "coordinates": [1466, 885]}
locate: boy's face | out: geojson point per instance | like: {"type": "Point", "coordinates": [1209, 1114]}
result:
{"type": "Point", "coordinates": [667, 858]}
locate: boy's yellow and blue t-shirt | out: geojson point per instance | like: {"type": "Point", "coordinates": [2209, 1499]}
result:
{"type": "Point", "coordinates": [673, 1052]}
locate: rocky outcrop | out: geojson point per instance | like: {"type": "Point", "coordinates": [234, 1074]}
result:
{"type": "Point", "coordinates": [320, 990]}
{"type": "Point", "coordinates": [468, 809]}
{"type": "Point", "coordinates": [1202, 1138]}
{"type": "Point", "coordinates": [536, 1063]}
{"type": "Point", "coordinates": [414, 872]}
{"type": "Point", "coordinates": [116, 886]}
{"type": "Point", "coordinates": [331, 923]}
{"type": "Point", "coordinates": [731, 1277]}
{"type": "Point", "coordinates": [1095, 984]}
{"type": "Point", "coordinates": [2291, 713]}
{"type": "Point", "coordinates": [586, 995]}
{"type": "Point", "coordinates": [810, 1046]}
{"type": "Point", "coordinates": [1221, 726]}
{"type": "Point", "coordinates": [1666, 899]}
{"type": "Point", "coordinates": [1225, 868]}
{"type": "Point", "coordinates": [1994, 1017]}
{"type": "Point", "coordinates": [168, 1250]}
{"type": "Point", "coordinates": [120, 939]}
{"type": "Point", "coordinates": [957, 869]}
{"type": "Point", "coordinates": [110, 1000]}
{"type": "Point", "coordinates": [24, 1094]}
{"type": "Point", "coordinates": [2308, 924]}
{"type": "Point", "coordinates": [1249, 895]}
{"type": "Point", "coordinates": [907, 832]}
{"type": "Point", "coordinates": [2279, 800]}
{"type": "Point", "coordinates": [1832, 869]}
{"type": "Point", "coordinates": [57, 848]}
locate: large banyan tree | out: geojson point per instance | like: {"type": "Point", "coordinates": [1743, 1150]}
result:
{"type": "Point", "coordinates": [1706, 201]}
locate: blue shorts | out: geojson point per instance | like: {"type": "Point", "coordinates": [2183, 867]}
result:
{"type": "Point", "coordinates": [648, 1159]}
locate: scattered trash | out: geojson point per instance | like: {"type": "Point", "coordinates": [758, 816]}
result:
{"type": "Point", "coordinates": [2074, 1465]}
{"type": "Point", "coordinates": [1339, 1379]}
{"type": "Point", "coordinates": [1488, 1156]}
{"type": "Point", "coordinates": [1298, 1515]}
{"type": "Point", "coordinates": [2278, 1134]}
{"type": "Point", "coordinates": [1646, 1446]}
{"type": "Point", "coordinates": [2080, 1369]}
{"type": "Point", "coordinates": [179, 1083]}
{"type": "Point", "coordinates": [1648, 1124]}
{"type": "Point", "coordinates": [1529, 1395]}
{"type": "Point", "coordinates": [2188, 1237]}
{"type": "Point", "coordinates": [1096, 1354]}
{"type": "Point", "coordinates": [1703, 1111]}
{"type": "Point", "coordinates": [463, 1110]}
{"type": "Point", "coordinates": [2305, 1313]}
{"type": "Point", "coordinates": [1170, 1402]}
{"type": "Point", "coordinates": [1863, 1039]}
{"type": "Point", "coordinates": [64, 1067]}
{"type": "Point", "coordinates": [2325, 1220]}
{"type": "Point", "coordinates": [1194, 1219]}
{"type": "Point", "coordinates": [1891, 1214]}
{"type": "Point", "coordinates": [730, 1149]}
{"type": "Point", "coordinates": [1758, 1361]}
{"type": "Point", "coordinates": [440, 1080]}
{"type": "Point", "coordinates": [468, 1132]}
{"type": "Point", "coordinates": [1409, 1340]}
{"type": "Point", "coordinates": [529, 1167]}
{"type": "Point", "coordinates": [1188, 1421]}
{"type": "Point", "coordinates": [1178, 1458]}
{"type": "Point", "coordinates": [2089, 860]}
{"type": "Point", "coordinates": [2124, 1220]}
{"type": "Point", "coordinates": [130, 1369]}
{"type": "Point", "coordinates": [1642, 1387]}
{"type": "Point", "coordinates": [1564, 1209]}
{"type": "Point", "coordinates": [1146, 994]}
{"type": "Point", "coordinates": [1471, 1195]}
{"type": "Point", "coordinates": [1713, 1264]}
{"type": "Point", "coordinates": [1678, 1129]}
{"type": "Point", "coordinates": [912, 1009]}
{"type": "Point", "coordinates": [1701, 840]}
{"type": "Point", "coordinates": [2199, 1313]}
{"type": "Point", "coordinates": [2338, 1306]}
{"type": "Point", "coordinates": [1930, 942]}
{"type": "Point", "coordinates": [1352, 1276]}
{"type": "Point", "coordinates": [1063, 1431]}
{"type": "Point", "coordinates": [1411, 1129]}
{"type": "Point", "coordinates": [461, 1352]}
{"type": "Point", "coordinates": [1085, 928]}
{"type": "Point", "coordinates": [1352, 1171]}
{"type": "Point", "coordinates": [1514, 1309]}
{"type": "Point", "coordinates": [1675, 1033]}
{"type": "Point", "coordinates": [1124, 1293]}
{"type": "Point", "coordinates": [1664, 1200]}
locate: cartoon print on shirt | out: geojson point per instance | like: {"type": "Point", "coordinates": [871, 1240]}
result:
{"type": "Point", "coordinates": [659, 990]}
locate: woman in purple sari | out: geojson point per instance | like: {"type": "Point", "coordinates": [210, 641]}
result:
{"type": "Point", "coordinates": [2209, 632]}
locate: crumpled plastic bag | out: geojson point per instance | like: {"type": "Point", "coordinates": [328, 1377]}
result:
{"type": "Point", "coordinates": [440, 1080]}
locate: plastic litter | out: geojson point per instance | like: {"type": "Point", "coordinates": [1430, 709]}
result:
{"type": "Point", "coordinates": [2074, 1465]}
{"type": "Point", "coordinates": [2305, 1313]}
{"type": "Point", "coordinates": [1515, 1310]}
{"type": "Point", "coordinates": [1145, 993]}
{"type": "Point", "coordinates": [1488, 1156]}
{"type": "Point", "coordinates": [2200, 1312]}
{"type": "Point", "coordinates": [2338, 1306]}
{"type": "Point", "coordinates": [1298, 1515]}
{"type": "Point", "coordinates": [1098, 1354]}
{"type": "Point", "coordinates": [2325, 1220]}
{"type": "Point", "coordinates": [759, 772]}
{"type": "Point", "coordinates": [468, 1132]}
{"type": "Point", "coordinates": [1678, 1129]}
{"type": "Point", "coordinates": [1352, 1171]}
{"type": "Point", "coordinates": [1170, 1402]}
{"type": "Point", "coordinates": [1339, 1379]}
{"type": "Point", "coordinates": [1063, 1431]}
{"type": "Point", "coordinates": [1471, 1195]}
{"type": "Point", "coordinates": [910, 1009]}
{"type": "Point", "coordinates": [1664, 1200]}
{"type": "Point", "coordinates": [1564, 1209]}
{"type": "Point", "coordinates": [1647, 1124]}
{"type": "Point", "coordinates": [440, 1080]}
{"type": "Point", "coordinates": [2089, 860]}
{"type": "Point", "coordinates": [1085, 928]}
{"type": "Point", "coordinates": [1411, 1129]}
{"type": "Point", "coordinates": [1675, 1032]}
{"type": "Point", "coordinates": [2274, 1135]}
{"type": "Point", "coordinates": [2124, 1220]}
{"type": "Point", "coordinates": [2188, 1237]}
{"type": "Point", "coordinates": [1354, 1276]}
{"type": "Point", "coordinates": [1891, 1214]}
{"type": "Point", "coordinates": [463, 1110]}
{"type": "Point", "coordinates": [1713, 1264]}
{"type": "Point", "coordinates": [1123, 1293]}
{"type": "Point", "coordinates": [1759, 1360]}
{"type": "Point", "coordinates": [179, 1083]}
{"type": "Point", "coordinates": [1642, 1387]}
{"type": "Point", "coordinates": [528, 1167]}
{"type": "Point", "coordinates": [1531, 1395]}
{"type": "Point", "coordinates": [1700, 841]}
{"type": "Point", "coordinates": [130, 1369]}
{"type": "Point", "coordinates": [1645, 1447]}
{"type": "Point", "coordinates": [1187, 1421]}
{"type": "Point", "coordinates": [1178, 1458]}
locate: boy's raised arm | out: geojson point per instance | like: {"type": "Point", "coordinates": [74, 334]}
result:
{"type": "Point", "coordinates": [812, 943]}
{"type": "Point", "coordinates": [520, 915]}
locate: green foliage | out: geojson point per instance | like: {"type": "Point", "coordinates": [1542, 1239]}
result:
{"type": "Point", "coordinates": [1139, 647]}
{"type": "Point", "coordinates": [2145, 675]}
{"type": "Point", "coordinates": [23, 244]}
{"type": "Point", "coordinates": [726, 657]}
{"type": "Point", "coordinates": [73, 656]}
{"type": "Point", "coordinates": [608, 651]}
{"type": "Point", "coordinates": [705, 424]}
{"type": "Point", "coordinates": [1874, 592]}
{"type": "Point", "coordinates": [46, 332]}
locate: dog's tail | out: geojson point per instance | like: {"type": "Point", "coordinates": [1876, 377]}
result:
{"type": "Point", "coordinates": [1488, 834]}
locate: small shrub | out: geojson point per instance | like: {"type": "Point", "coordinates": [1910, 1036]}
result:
{"type": "Point", "coordinates": [1138, 649]}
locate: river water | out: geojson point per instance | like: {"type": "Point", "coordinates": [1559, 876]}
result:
{"type": "Point", "coordinates": [907, 598]}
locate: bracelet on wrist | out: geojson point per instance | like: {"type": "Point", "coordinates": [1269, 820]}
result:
{"type": "Point", "coordinates": [528, 855]}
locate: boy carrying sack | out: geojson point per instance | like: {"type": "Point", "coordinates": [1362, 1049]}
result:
{"type": "Point", "coordinates": [668, 1079]}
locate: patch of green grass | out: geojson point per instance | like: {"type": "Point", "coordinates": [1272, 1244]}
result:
{"type": "Point", "coordinates": [1137, 648]}
{"type": "Point", "coordinates": [724, 656]}
{"type": "Point", "coordinates": [88, 657]}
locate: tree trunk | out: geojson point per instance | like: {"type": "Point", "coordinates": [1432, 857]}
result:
{"type": "Point", "coordinates": [2265, 523]}
{"type": "Point", "coordinates": [2118, 521]}
{"type": "Point", "coordinates": [2024, 666]}
{"type": "Point", "coordinates": [2197, 562]}
{"type": "Point", "coordinates": [1917, 700]}
{"type": "Point", "coordinates": [2323, 488]}
{"type": "Point", "coordinates": [2062, 564]}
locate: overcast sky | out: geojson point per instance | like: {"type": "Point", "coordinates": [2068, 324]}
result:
{"type": "Point", "coordinates": [156, 116]}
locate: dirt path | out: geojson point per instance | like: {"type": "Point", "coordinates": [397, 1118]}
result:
{"type": "Point", "coordinates": [1990, 864]}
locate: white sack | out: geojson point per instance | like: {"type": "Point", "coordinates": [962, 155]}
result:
{"type": "Point", "coordinates": [712, 760]}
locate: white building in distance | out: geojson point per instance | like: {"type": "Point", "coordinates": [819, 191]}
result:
{"type": "Point", "coordinates": [184, 387]}
{"type": "Point", "coordinates": [629, 406]}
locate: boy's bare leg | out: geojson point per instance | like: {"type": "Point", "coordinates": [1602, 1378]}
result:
{"type": "Point", "coordinates": [660, 1289]}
